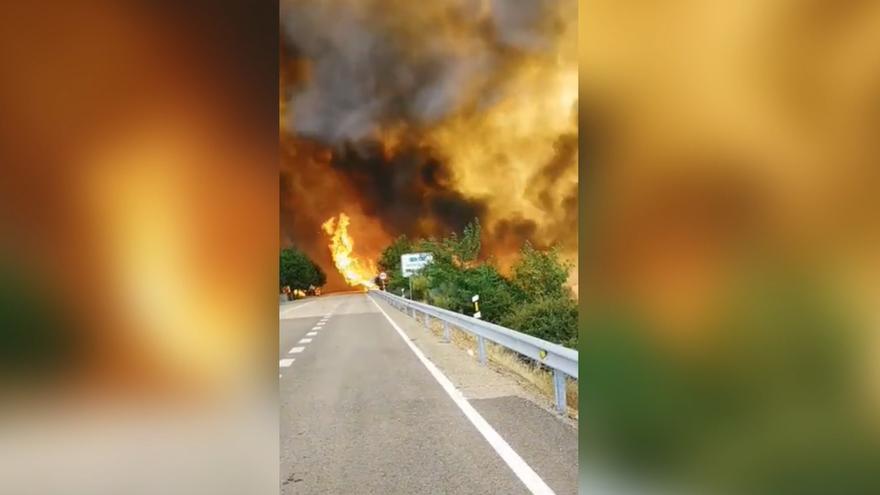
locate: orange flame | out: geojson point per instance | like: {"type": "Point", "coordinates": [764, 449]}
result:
{"type": "Point", "coordinates": [357, 273]}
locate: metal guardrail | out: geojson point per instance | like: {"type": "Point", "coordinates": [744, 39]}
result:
{"type": "Point", "coordinates": [562, 360]}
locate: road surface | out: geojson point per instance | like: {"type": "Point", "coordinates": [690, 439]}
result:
{"type": "Point", "coordinates": [362, 413]}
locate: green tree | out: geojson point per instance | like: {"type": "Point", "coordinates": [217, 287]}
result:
{"type": "Point", "coordinates": [464, 249]}
{"type": "Point", "coordinates": [389, 262]}
{"type": "Point", "coordinates": [496, 293]}
{"type": "Point", "coordinates": [298, 271]}
{"type": "Point", "coordinates": [320, 276]}
{"type": "Point", "coordinates": [540, 274]}
{"type": "Point", "coordinates": [419, 287]}
{"type": "Point", "coordinates": [535, 300]}
{"type": "Point", "coordinates": [469, 246]}
{"type": "Point", "coordinates": [455, 276]}
{"type": "Point", "coordinates": [553, 318]}
{"type": "Point", "coordinates": [443, 274]}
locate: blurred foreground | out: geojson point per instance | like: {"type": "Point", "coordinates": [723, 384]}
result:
{"type": "Point", "coordinates": [731, 342]}
{"type": "Point", "coordinates": [138, 236]}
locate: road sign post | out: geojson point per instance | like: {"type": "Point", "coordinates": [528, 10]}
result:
{"type": "Point", "coordinates": [410, 263]}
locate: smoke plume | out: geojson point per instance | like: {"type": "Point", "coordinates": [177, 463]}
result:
{"type": "Point", "coordinates": [417, 117]}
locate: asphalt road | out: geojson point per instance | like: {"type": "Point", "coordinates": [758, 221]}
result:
{"type": "Point", "coordinates": [361, 413]}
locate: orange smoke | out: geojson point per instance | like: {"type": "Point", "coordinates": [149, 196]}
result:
{"type": "Point", "coordinates": [357, 272]}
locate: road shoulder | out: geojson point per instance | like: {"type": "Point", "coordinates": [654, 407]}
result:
{"type": "Point", "coordinates": [546, 441]}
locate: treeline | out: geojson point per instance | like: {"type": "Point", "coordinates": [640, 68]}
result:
{"type": "Point", "coordinates": [298, 272]}
{"type": "Point", "coordinates": [533, 299]}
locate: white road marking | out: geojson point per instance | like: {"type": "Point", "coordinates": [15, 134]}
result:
{"type": "Point", "coordinates": [304, 341]}
{"type": "Point", "coordinates": [320, 324]}
{"type": "Point", "coordinates": [287, 311]}
{"type": "Point", "coordinates": [311, 334]}
{"type": "Point", "coordinates": [516, 463]}
{"type": "Point", "coordinates": [316, 328]}
{"type": "Point", "coordinates": [285, 363]}
{"type": "Point", "coordinates": [296, 350]}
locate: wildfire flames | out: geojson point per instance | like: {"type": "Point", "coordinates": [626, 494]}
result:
{"type": "Point", "coordinates": [416, 118]}
{"type": "Point", "coordinates": [357, 273]}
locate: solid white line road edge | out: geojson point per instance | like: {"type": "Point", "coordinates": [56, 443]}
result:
{"type": "Point", "coordinates": [516, 463]}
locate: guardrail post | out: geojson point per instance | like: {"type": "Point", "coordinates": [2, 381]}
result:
{"type": "Point", "coordinates": [559, 391]}
{"type": "Point", "coordinates": [481, 344]}
{"type": "Point", "coordinates": [445, 331]}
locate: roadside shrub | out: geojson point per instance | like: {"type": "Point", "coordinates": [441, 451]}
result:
{"type": "Point", "coordinates": [551, 318]}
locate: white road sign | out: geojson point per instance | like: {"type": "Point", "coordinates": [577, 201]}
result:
{"type": "Point", "coordinates": [413, 262]}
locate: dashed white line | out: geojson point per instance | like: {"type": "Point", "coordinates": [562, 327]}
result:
{"type": "Point", "coordinates": [311, 334]}
{"type": "Point", "coordinates": [516, 463]}
{"type": "Point", "coordinates": [316, 328]}
{"type": "Point", "coordinates": [285, 363]}
{"type": "Point", "coordinates": [296, 350]}
{"type": "Point", "coordinates": [304, 341]}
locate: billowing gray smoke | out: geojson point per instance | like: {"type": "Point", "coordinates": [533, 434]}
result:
{"type": "Point", "coordinates": [377, 64]}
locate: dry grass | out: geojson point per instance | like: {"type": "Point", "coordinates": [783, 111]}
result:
{"type": "Point", "coordinates": [530, 375]}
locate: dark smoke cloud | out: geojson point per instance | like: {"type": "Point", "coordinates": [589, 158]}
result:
{"type": "Point", "coordinates": [355, 70]}
{"type": "Point", "coordinates": [544, 181]}
{"type": "Point", "coordinates": [509, 234]}
{"type": "Point", "coordinates": [407, 188]}
{"type": "Point", "coordinates": [367, 74]}
{"type": "Point", "coordinates": [375, 64]}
